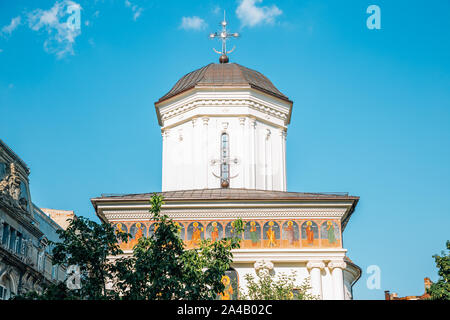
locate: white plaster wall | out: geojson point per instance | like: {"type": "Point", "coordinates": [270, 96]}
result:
{"type": "Point", "coordinates": [189, 148]}
{"type": "Point", "coordinates": [301, 273]}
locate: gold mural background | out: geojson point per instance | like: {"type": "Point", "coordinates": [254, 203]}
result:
{"type": "Point", "coordinates": [258, 234]}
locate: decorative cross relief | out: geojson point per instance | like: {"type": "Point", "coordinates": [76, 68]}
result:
{"type": "Point", "coordinates": [225, 182]}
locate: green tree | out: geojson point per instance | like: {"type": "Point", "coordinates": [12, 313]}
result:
{"type": "Point", "coordinates": [161, 267]}
{"type": "Point", "coordinates": [89, 246]}
{"type": "Point", "coordinates": [282, 287]}
{"type": "Point", "coordinates": [440, 290]}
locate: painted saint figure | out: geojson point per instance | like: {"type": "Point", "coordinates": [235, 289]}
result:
{"type": "Point", "coordinates": [330, 231]}
{"type": "Point", "coordinates": [196, 234]}
{"type": "Point", "coordinates": [227, 293]}
{"type": "Point", "coordinates": [179, 230]}
{"type": "Point", "coordinates": [309, 233]}
{"type": "Point", "coordinates": [271, 235]}
{"type": "Point", "coordinates": [253, 233]}
{"type": "Point", "coordinates": [119, 229]}
{"type": "Point", "coordinates": [290, 232]}
{"type": "Point", "coordinates": [214, 232]}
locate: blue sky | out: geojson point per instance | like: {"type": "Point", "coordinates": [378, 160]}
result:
{"type": "Point", "coordinates": [371, 107]}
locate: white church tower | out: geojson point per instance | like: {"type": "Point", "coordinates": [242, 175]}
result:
{"type": "Point", "coordinates": [224, 157]}
{"type": "Point", "coordinates": [224, 126]}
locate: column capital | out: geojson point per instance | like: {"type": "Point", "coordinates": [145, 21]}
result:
{"type": "Point", "coordinates": [205, 121]}
{"type": "Point", "coordinates": [194, 122]}
{"type": "Point", "coordinates": [253, 122]}
{"type": "Point", "coordinates": [337, 264]}
{"type": "Point", "coordinates": [241, 121]}
{"type": "Point", "coordinates": [315, 264]}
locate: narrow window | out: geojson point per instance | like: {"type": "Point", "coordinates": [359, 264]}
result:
{"type": "Point", "coordinates": [19, 243]}
{"type": "Point", "coordinates": [12, 239]}
{"type": "Point", "coordinates": [225, 166]}
{"type": "Point", "coordinates": [5, 239]}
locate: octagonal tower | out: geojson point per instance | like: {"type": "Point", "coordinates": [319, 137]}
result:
{"type": "Point", "coordinates": [224, 126]}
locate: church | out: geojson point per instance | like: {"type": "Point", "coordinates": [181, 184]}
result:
{"type": "Point", "coordinates": [224, 129]}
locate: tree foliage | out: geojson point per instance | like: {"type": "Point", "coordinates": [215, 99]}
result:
{"type": "Point", "coordinates": [87, 245]}
{"type": "Point", "coordinates": [282, 287]}
{"type": "Point", "coordinates": [440, 290]}
{"type": "Point", "coordinates": [160, 266]}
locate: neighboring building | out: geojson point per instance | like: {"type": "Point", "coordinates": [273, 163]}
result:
{"type": "Point", "coordinates": [25, 259]}
{"type": "Point", "coordinates": [61, 217]}
{"type": "Point", "coordinates": [394, 296]}
{"type": "Point", "coordinates": [223, 132]}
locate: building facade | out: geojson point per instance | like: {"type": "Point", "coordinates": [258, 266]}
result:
{"type": "Point", "coordinates": [224, 130]}
{"type": "Point", "coordinates": [25, 254]}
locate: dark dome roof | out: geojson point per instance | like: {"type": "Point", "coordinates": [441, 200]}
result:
{"type": "Point", "coordinates": [224, 74]}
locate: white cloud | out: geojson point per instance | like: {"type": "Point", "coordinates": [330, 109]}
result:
{"type": "Point", "coordinates": [192, 23]}
{"type": "Point", "coordinates": [251, 15]}
{"type": "Point", "coordinates": [15, 22]}
{"type": "Point", "coordinates": [61, 32]}
{"type": "Point", "coordinates": [136, 10]}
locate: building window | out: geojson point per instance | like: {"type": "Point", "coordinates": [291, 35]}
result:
{"type": "Point", "coordinates": [5, 238]}
{"type": "Point", "coordinates": [41, 261]}
{"type": "Point", "coordinates": [19, 243]}
{"type": "Point", "coordinates": [5, 288]}
{"type": "Point", "coordinates": [2, 293]}
{"type": "Point", "coordinates": [225, 165]}
{"type": "Point", "coordinates": [23, 198]}
{"type": "Point", "coordinates": [12, 239]}
{"type": "Point", "coordinates": [55, 272]}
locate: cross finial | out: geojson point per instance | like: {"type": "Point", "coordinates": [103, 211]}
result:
{"type": "Point", "coordinates": [224, 35]}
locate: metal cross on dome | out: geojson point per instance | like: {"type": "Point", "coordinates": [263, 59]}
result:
{"type": "Point", "coordinates": [224, 35]}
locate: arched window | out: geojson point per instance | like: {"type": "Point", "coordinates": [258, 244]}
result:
{"type": "Point", "coordinates": [225, 165]}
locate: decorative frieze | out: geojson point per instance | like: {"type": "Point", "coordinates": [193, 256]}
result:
{"type": "Point", "coordinates": [182, 108]}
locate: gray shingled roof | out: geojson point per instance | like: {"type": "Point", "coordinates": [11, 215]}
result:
{"type": "Point", "coordinates": [224, 74]}
{"type": "Point", "coordinates": [230, 194]}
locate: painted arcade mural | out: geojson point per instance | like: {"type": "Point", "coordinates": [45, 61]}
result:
{"type": "Point", "coordinates": [258, 234]}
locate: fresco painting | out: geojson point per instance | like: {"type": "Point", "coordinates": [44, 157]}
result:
{"type": "Point", "coordinates": [120, 228]}
{"type": "Point", "coordinates": [291, 234]}
{"type": "Point", "coordinates": [181, 230]}
{"type": "Point", "coordinates": [195, 233]}
{"type": "Point", "coordinates": [137, 231]}
{"type": "Point", "coordinates": [229, 230]}
{"type": "Point", "coordinates": [230, 281]}
{"type": "Point", "coordinates": [152, 229]}
{"type": "Point", "coordinates": [310, 234]}
{"type": "Point", "coordinates": [329, 234]}
{"type": "Point", "coordinates": [271, 234]}
{"type": "Point", "coordinates": [252, 234]}
{"type": "Point", "coordinates": [214, 231]}
{"type": "Point", "coordinates": [258, 234]}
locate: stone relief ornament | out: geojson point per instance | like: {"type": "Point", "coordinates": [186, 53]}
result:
{"type": "Point", "coordinates": [263, 267]}
{"type": "Point", "coordinates": [10, 189]}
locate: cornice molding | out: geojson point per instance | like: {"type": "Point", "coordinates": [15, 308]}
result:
{"type": "Point", "coordinates": [204, 214]}
{"type": "Point", "coordinates": [245, 102]}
